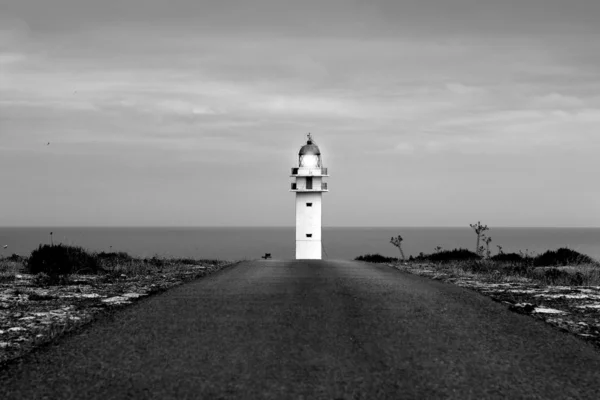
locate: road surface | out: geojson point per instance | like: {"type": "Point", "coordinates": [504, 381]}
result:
{"type": "Point", "coordinates": [311, 330]}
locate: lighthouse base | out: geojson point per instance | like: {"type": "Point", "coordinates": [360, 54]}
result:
{"type": "Point", "coordinates": [308, 249]}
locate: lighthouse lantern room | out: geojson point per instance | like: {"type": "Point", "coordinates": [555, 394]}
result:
{"type": "Point", "coordinates": [309, 187]}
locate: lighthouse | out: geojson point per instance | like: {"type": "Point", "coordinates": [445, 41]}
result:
{"type": "Point", "coordinates": [309, 187]}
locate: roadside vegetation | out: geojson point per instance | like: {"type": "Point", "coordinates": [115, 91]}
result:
{"type": "Point", "coordinates": [58, 289]}
{"type": "Point", "coordinates": [56, 264]}
{"type": "Point", "coordinates": [562, 266]}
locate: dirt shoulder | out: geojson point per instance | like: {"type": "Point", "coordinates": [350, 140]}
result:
{"type": "Point", "coordinates": [572, 309]}
{"type": "Point", "coordinates": [33, 315]}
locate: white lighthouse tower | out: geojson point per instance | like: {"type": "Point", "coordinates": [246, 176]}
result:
{"type": "Point", "coordinates": [309, 188]}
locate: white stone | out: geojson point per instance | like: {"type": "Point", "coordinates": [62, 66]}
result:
{"type": "Point", "coordinates": [523, 290]}
{"type": "Point", "coordinates": [116, 300]}
{"type": "Point", "coordinates": [90, 295]}
{"type": "Point", "coordinates": [134, 295]}
{"type": "Point", "coordinates": [545, 310]}
{"type": "Point", "coordinates": [590, 306]}
{"type": "Point", "coordinates": [566, 295]}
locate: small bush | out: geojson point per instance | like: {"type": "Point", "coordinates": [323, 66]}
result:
{"type": "Point", "coordinates": [120, 256]}
{"type": "Point", "coordinates": [376, 258]}
{"type": "Point", "coordinates": [155, 261]}
{"type": "Point", "coordinates": [110, 261]}
{"type": "Point", "coordinates": [521, 269]}
{"type": "Point", "coordinates": [61, 260]}
{"type": "Point", "coordinates": [508, 257]}
{"type": "Point", "coordinates": [43, 279]}
{"type": "Point", "coordinates": [448, 256]}
{"type": "Point", "coordinates": [562, 256]}
{"type": "Point", "coordinates": [453, 255]}
{"type": "Point", "coordinates": [14, 257]}
{"type": "Point", "coordinates": [555, 276]}
{"type": "Point", "coordinates": [476, 266]}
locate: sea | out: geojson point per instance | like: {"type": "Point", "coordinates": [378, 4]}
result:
{"type": "Point", "coordinates": [245, 243]}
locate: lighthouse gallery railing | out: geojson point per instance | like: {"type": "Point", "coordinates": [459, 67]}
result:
{"type": "Point", "coordinates": [315, 188]}
{"type": "Point", "coordinates": [321, 171]}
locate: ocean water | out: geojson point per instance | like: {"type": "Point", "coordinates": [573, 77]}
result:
{"type": "Point", "coordinates": [253, 242]}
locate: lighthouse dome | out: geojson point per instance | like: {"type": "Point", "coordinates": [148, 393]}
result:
{"type": "Point", "coordinates": [310, 148]}
{"type": "Point", "coordinates": [309, 155]}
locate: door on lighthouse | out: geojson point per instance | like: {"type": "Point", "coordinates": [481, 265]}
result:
{"type": "Point", "coordinates": [309, 182]}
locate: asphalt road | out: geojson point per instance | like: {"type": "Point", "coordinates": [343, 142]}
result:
{"type": "Point", "coordinates": [311, 330]}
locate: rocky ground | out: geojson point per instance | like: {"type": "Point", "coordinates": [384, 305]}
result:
{"type": "Point", "coordinates": [33, 315]}
{"type": "Point", "coordinates": [573, 309]}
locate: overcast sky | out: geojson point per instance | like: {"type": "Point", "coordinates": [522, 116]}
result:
{"type": "Point", "coordinates": [427, 113]}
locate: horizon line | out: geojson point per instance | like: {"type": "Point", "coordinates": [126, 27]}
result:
{"type": "Point", "coordinates": [288, 226]}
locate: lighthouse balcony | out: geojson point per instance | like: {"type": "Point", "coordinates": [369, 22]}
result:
{"type": "Point", "coordinates": [313, 188]}
{"type": "Point", "coordinates": [309, 172]}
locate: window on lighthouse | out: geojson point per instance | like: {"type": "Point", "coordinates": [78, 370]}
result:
{"type": "Point", "coordinates": [308, 204]}
{"type": "Point", "coordinates": [309, 235]}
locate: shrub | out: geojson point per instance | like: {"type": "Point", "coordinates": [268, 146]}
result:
{"type": "Point", "coordinates": [155, 261]}
{"type": "Point", "coordinates": [109, 261]}
{"type": "Point", "coordinates": [555, 276]}
{"type": "Point", "coordinates": [453, 255]}
{"type": "Point", "coordinates": [448, 256]}
{"type": "Point", "coordinates": [114, 256]}
{"type": "Point", "coordinates": [477, 266]}
{"type": "Point", "coordinates": [15, 258]}
{"type": "Point", "coordinates": [43, 279]}
{"type": "Point", "coordinates": [522, 269]}
{"type": "Point", "coordinates": [562, 256]}
{"type": "Point", "coordinates": [61, 260]}
{"type": "Point", "coordinates": [376, 258]}
{"type": "Point", "coordinates": [508, 257]}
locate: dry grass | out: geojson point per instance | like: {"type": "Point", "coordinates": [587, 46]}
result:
{"type": "Point", "coordinates": [8, 266]}
{"type": "Point", "coordinates": [584, 274]}
{"type": "Point", "coordinates": [116, 267]}
{"type": "Point", "coordinates": [8, 270]}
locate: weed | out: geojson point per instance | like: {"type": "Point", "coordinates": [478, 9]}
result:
{"type": "Point", "coordinates": [397, 241]}
{"type": "Point", "coordinates": [376, 258]}
{"type": "Point", "coordinates": [479, 229]}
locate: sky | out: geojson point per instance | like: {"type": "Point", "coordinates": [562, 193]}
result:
{"type": "Point", "coordinates": [191, 112]}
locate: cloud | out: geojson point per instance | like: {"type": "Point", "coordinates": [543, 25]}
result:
{"type": "Point", "coordinates": [556, 101]}
{"type": "Point", "coordinates": [460, 89]}
{"type": "Point", "coordinates": [419, 93]}
{"type": "Point", "coordinates": [404, 148]}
